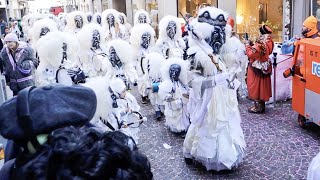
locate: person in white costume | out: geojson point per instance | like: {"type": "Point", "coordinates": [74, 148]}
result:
{"type": "Point", "coordinates": [233, 55]}
{"type": "Point", "coordinates": [142, 40]}
{"type": "Point", "coordinates": [41, 28]}
{"type": "Point", "coordinates": [110, 24]}
{"type": "Point", "coordinates": [170, 42]}
{"type": "Point", "coordinates": [32, 19]}
{"type": "Point", "coordinates": [92, 55]}
{"type": "Point", "coordinates": [89, 16]}
{"type": "Point", "coordinates": [120, 64]}
{"type": "Point", "coordinates": [114, 104]}
{"type": "Point", "coordinates": [58, 61]}
{"type": "Point", "coordinates": [53, 17]}
{"type": "Point", "coordinates": [62, 23]}
{"type": "Point", "coordinates": [141, 17]}
{"type": "Point", "coordinates": [75, 21]}
{"type": "Point", "coordinates": [125, 27]}
{"type": "Point", "coordinates": [152, 63]}
{"type": "Point", "coordinates": [215, 137]}
{"type": "Point", "coordinates": [97, 18]}
{"type": "Point", "coordinates": [174, 91]}
{"type": "Point", "coordinates": [314, 169]}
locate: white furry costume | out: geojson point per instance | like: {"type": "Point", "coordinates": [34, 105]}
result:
{"type": "Point", "coordinates": [233, 54]}
{"type": "Point", "coordinates": [109, 26]}
{"type": "Point", "coordinates": [170, 47]}
{"type": "Point", "coordinates": [95, 18]}
{"type": "Point", "coordinates": [215, 137]}
{"type": "Point", "coordinates": [40, 25]}
{"type": "Point", "coordinates": [93, 60]}
{"type": "Point", "coordinates": [53, 17]}
{"type": "Point", "coordinates": [71, 23]}
{"type": "Point", "coordinates": [50, 52]}
{"type": "Point", "coordinates": [62, 23]}
{"type": "Point", "coordinates": [32, 19]}
{"type": "Point", "coordinates": [314, 168]}
{"type": "Point", "coordinates": [89, 15]}
{"type": "Point", "coordinates": [139, 14]}
{"type": "Point", "coordinates": [125, 27]}
{"type": "Point", "coordinates": [105, 111]}
{"type": "Point", "coordinates": [140, 53]}
{"type": "Point", "coordinates": [152, 63]}
{"type": "Point", "coordinates": [125, 53]}
{"type": "Point", "coordinates": [174, 94]}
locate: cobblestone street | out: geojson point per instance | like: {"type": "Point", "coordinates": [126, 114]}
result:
{"type": "Point", "coordinates": [277, 147]}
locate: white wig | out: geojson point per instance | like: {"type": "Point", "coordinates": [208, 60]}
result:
{"type": "Point", "coordinates": [95, 18]}
{"type": "Point", "coordinates": [105, 14]}
{"type": "Point", "coordinates": [164, 24]}
{"type": "Point", "coordinates": [50, 50]}
{"type": "Point", "coordinates": [136, 33]}
{"type": "Point", "coordinates": [153, 61]}
{"type": "Point", "coordinates": [137, 14]}
{"type": "Point", "coordinates": [184, 69]}
{"type": "Point", "coordinates": [34, 18]}
{"type": "Point", "coordinates": [85, 35]}
{"type": "Point", "coordinates": [123, 49]}
{"type": "Point", "coordinates": [38, 25]}
{"type": "Point", "coordinates": [71, 24]}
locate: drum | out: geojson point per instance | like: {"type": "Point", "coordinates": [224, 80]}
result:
{"type": "Point", "coordinates": [134, 119]}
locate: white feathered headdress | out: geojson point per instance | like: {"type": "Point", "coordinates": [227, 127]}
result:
{"type": "Point", "coordinates": [153, 61]}
{"type": "Point", "coordinates": [104, 20]}
{"type": "Point", "coordinates": [50, 50]}
{"type": "Point", "coordinates": [85, 35]}
{"type": "Point", "coordinates": [38, 25]}
{"type": "Point", "coordinates": [136, 33]}
{"type": "Point", "coordinates": [184, 69]}
{"type": "Point", "coordinates": [164, 24]}
{"type": "Point", "coordinates": [71, 24]}
{"type": "Point", "coordinates": [123, 49]}
{"type": "Point", "coordinates": [137, 14]}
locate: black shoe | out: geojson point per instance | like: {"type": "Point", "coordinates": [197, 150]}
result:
{"type": "Point", "coordinates": [144, 100]}
{"type": "Point", "coordinates": [158, 115]}
{"type": "Point", "coordinates": [188, 161]}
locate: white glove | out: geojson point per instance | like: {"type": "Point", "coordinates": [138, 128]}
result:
{"type": "Point", "coordinates": [221, 79]}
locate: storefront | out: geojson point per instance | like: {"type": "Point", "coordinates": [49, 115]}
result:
{"type": "Point", "coordinates": [191, 6]}
{"type": "Point", "coordinates": [252, 14]}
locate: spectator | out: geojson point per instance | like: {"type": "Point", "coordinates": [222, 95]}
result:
{"type": "Point", "coordinates": [15, 28]}
{"type": "Point", "coordinates": [3, 25]}
{"type": "Point", "coordinates": [6, 31]}
{"type": "Point", "coordinates": [18, 63]}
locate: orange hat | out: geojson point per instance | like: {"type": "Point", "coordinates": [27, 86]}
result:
{"type": "Point", "coordinates": [230, 21]}
{"type": "Point", "coordinates": [311, 23]}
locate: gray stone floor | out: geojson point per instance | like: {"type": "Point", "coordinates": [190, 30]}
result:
{"type": "Point", "coordinates": [277, 148]}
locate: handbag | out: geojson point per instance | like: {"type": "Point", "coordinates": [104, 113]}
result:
{"type": "Point", "coordinates": [262, 68]}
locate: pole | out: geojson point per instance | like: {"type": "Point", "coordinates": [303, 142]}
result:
{"type": "Point", "coordinates": [274, 78]}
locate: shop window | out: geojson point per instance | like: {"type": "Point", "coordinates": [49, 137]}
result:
{"type": "Point", "coordinates": [252, 14]}
{"type": "Point", "coordinates": [191, 6]}
{"type": "Point", "coordinates": [315, 4]}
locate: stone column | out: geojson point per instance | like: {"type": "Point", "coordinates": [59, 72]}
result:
{"type": "Point", "coordinates": [129, 12]}
{"type": "Point", "coordinates": [300, 13]}
{"type": "Point", "coordinates": [167, 7]}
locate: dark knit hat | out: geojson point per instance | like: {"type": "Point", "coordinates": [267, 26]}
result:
{"type": "Point", "coordinates": [265, 29]}
{"type": "Point", "coordinates": [41, 110]}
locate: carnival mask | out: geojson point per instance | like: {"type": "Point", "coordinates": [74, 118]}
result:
{"type": "Point", "coordinates": [142, 18]}
{"type": "Point", "coordinates": [121, 19]}
{"type": "Point", "coordinates": [113, 58]}
{"type": "Point", "coordinates": [174, 72]}
{"type": "Point", "coordinates": [64, 52]}
{"type": "Point", "coordinates": [44, 31]}
{"type": "Point", "coordinates": [89, 18]}
{"type": "Point", "coordinates": [217, 39]}
{"type": "Point", "coordinates": [110, 19]}
{"type": "Point", "coordinates": [146, 39]}
{"type": "Point", "coordinates": [96, 39]}
{"type": "Point", "coordinates": [171, 29]}
{"type": "Point", "coordinates": [79, 21]}
{"type": "Point", "coordinates": [99, 19]}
